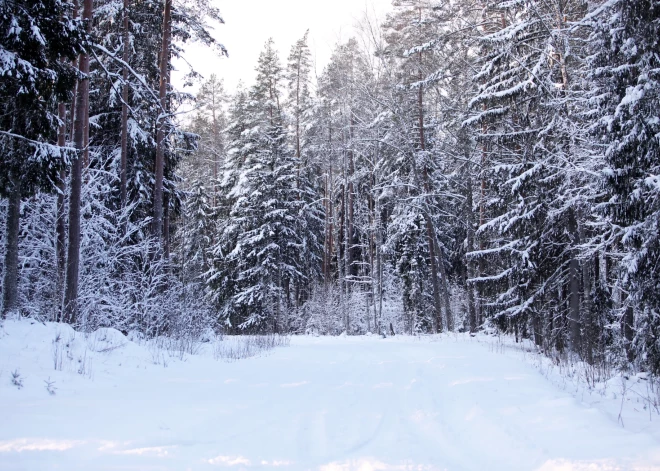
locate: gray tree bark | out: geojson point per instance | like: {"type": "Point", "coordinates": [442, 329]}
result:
{"type": "Point", "coordinates": [430, 234]}
{"type": "Point", "coordinates": [472, 313]}
{"type": "Point", "coordinates": [574, 290]}
{"type": "Point", "coordinates": [124, 111]}
{"type": "Point", "coordinates": [627, 327]}
{"type": "Point", "coordinates": [81, 140]}
{"type": "Point", "coordinates": [60, 227]}
{"type": "Point", "coordinates": [157, 225]}
{"type": "Point", "coordinates": [10, 283]}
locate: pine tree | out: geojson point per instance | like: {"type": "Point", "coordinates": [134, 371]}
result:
{"type": "Point", "coordinates": [210, 123]}
{"type": "Point", "coordinates": [410, 33]}
{"type": "Point", "coordinates": [81, 142]}
{"type": "Point", "coordinates": [161, 123]}
{"type": "Point", "coordinates": [299, 99]}
{"type": "Point", "coordinates": [342, 110]}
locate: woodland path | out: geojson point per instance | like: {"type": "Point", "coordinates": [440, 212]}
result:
{"type": "Point", "coordinates": [323, 403]}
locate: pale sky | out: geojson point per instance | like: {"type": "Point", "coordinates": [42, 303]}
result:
{"type": "Point", "coordinates": [249, 23]}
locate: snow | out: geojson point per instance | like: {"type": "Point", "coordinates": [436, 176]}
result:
{"type": "Point", "coordinates": [653, 182]}
{"type": "Point", "coordinates": [401, 403]}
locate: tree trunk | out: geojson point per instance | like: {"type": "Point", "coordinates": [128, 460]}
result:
{"type": "Point", "coordinates": [445, 288]}
{"type": "Point", "coordinates": [347, 260]}
{"type": "Point", "coordinates": [215, 151]}
{"type": "Point", "coordinates": [587, 321]}
{"type": "Point", "coordinates": [10, 284]}
{"type": "Point", "coordinates": [469, 271]}
{"type": "Point", "coordinates": [430, 235]}
{"type": "Point", "coordinates": [81, 139]}
{"type": "Point", "coordinates": [157, 225]}
{"type": "Point", "coordinates": [287, 295]}
{"type": "Point", "coordinates": [75, 96]}
{"type": "Point", "coordinates": [372, 247]}
{"type": "Point", "coordinates": [380, 285]}
{"type": "Point", "coordinates": [481, 264]}
{"type": "Point", "coordinates": [438, 327]}
{"type": "Point", "coordinates": [166, 227]}
{"type": "Point", "coordinates": [297, 108]}
{"type": "Point", "coordinates": [351, 205]}
{"type": "Point", "coordinates": [627, 328]}
{"type": "Point", "coordinates": [329, 187]}
{"type": "Point", "coordinates": [377, 248]}
{"type": "Point", "coordinates": [331, 226]}
{"type": "Point", "coordinates": [574, 289]}
{"type": "Point", "coordinates": [60, 227]}
{"type": "Point", "coordinates": [124, 112]}
{"type": "Point", "coordinates": [326, 209]}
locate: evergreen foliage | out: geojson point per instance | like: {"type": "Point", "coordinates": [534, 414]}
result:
{"type": "Point", "coordinates": [461, 166]}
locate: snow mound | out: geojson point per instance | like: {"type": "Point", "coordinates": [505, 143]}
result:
{"type": "Point", "coordinates": [106, 340]}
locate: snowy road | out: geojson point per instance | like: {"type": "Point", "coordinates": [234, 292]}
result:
{"type": "Point", "coordinates": [322, 404]}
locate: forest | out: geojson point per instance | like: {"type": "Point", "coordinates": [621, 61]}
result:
{"type": "Point", "coordinates": [462, 165]}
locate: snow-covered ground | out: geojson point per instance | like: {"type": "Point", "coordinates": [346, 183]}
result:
{"type": "Point", "coordinates": [365, 403]}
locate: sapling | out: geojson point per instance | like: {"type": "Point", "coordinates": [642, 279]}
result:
{"type": "Point", "coordinates": [16, 379]}
{"type": "Point", "coordinates": [50, 386]}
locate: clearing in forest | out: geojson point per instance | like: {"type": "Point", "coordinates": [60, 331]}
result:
{"type": "Point", "coordinates": [438, 403]}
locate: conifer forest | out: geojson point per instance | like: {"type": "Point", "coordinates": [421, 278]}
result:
{"type": "Point", "coordinates": [457, 166]}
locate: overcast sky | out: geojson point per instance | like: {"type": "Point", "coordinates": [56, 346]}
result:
{"type": "Point", "coordinates": [249, 23]}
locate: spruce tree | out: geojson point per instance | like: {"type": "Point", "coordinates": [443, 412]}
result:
{"type": "Point", "coordinates": [263, 236]}
{"type": "Point", "coordinates": [300, 107]}
{"type": "Point", "coordinates": [534, 208]}
{"type": "Point", "coordinates": [626, 69]}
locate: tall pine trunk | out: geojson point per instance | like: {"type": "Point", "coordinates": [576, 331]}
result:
{"type": "Point", "coordinates": [469, 270]}
{"type": "Point", "coordinates": [574, 289]}
{"type": "Point", "coordinates": [329, 222]}
{"type": "Point", "coordinates": [347, 257]}
{"type": "Point", "coordinates": [445, 286]}
{"type": "Point", "coordinates": [215, 153]}
{"type": "Point", "coordinates": [587, 321]}
{"type": "Point", "coordinates": [157, 225]}
{"type": "Point", "coordinates": [297, 111]}
{"type": "Point", "coordinates": [166, 227]}
{"type": "Point", "coordinates": [10, 283]}
{"type": "Point", "coordinates": [350, 230]}
{"type": "Point", "coordinates": [124, 111]}
{"type": "Point", "coordinates": [81, 140]}
{"type": "Point", "coordinates": [438, 327]}
{"type": "Point", "coordinates": [60, 227]}
{"type": "Point", "coordinates": [430, 235]}
{"type": "Point", "coordinates": [628, 330]}
{"type": "Point", "coordinates": [326, 225]}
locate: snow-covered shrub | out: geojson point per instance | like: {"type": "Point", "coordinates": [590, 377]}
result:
{"type": "Point", "coordinates": [321, 314]}
{"type": "Point", "coordinates": [459, 308]}
{"type": "Point", "coordinates": [123, 283]}
{"type": "Point", "coordinates": [328, 310]}
{"type": "Point", "coordinates": [38, 289]}
{"type": "Point", "coordinates": [237, 347]}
